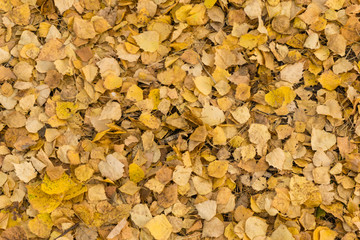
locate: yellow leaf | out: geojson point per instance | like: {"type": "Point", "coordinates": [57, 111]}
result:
{"type": "Point", "coordinates": [5, 5]}
{"type": "Point", "coordinates": [182, 13]}
{"type": "Point", "coordinates": [44, 28]}
{"type": "Point", "coordinates": [58, 186]}
{"type": "Point", "coordinates": [131, 48]}
{"type": "Point", "coordinates": [154, 95]}
{"type": "Point", "coordinates": [100, 135]}
{"type": "Point", "coordinates": [242, 91]}
{"type": "Point", "coordinates": [248, 41]}
{"type": "Point", "coordinates": [134, 93]}
{"type": "Point", "coordinates": [148, 41]}
{"type": "Point", "coordinates": [83, 29]}
{"type": "Point", "coordinates": [209, 3]}
{"type": "Point", "coordinates": [297, 41]}
{"type": "Point", "coordinates": [324, 233]}
{"type": "Point", "coordinates": [150, 121]}
{"type": "Point", "coordinates": [129, 188]}
{"type": "Point", "coordinates": [197, 15]}
{"type": "Point", "coordinates": [219, 136]}
{"type": "Point", "coordinates": [203, 84]}
{"type": "Point", "coordinates": [220, 74]}
{"type": "Point", "coordinates": [41, 225]}
{"type": "Point", "coordinates": [178, 46]}
{"type": "Point", "coordinates": [42, 201]}
{"type": "Point", "coordinates": [280, 97]}
{"type": "Point", "coordinates": [112, 81]}
{"type": "Point", "coordinates": [229, 232]}
{"type": "Point", "coordinates": [159, 227]}
{"type": "Point", "coordinates": [136, 173]}
{"type": "Point", "coordinates": [65, 110]}
{"type": "Point", "coordinates": [329, 80]}
{"type": "Point", "coordinates": [21, 14]}
{"type": "Point", "coordinates": [75, 191]}
{"type": "Point", "coordinates": [218, 168]}
{"type": "Point", "coordinates": [83, 172]}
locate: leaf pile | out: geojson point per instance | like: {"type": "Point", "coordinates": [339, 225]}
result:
{"type": "Point", "coordinates": [163, 119]}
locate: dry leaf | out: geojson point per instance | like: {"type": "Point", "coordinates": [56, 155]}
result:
{"type": "Point", "coordinates": [206, 209]}
{"type": "Point", "coordinates": [25, 171]}
{"type": "Point", "coordinates": [255, 227]}
{"type": "Point", "coordinates": [83, 29]}
{"type": "Point", "coordinates": [148, 41]}
{"type": "Point", "coordinates": [321, 140]}
{"type": "Point", "coordinates": [159, 227]}
{"type": "Point", "coordinates": [111, 168]}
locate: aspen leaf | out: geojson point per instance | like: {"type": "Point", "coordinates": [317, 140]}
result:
{"type": "Point", "coordinates": [258, 133]}
{"type": "Point", "coordinates": [181, 175]}
{"type": "Point", "coordinates": [322, 233]}
{"type": "Point", "coordinates": [148, 41]}
{"type": "Point", "coordinates": [209, 3]}
{"type": "Point", "coordinates": [203, 84]}
{"type": "Point", "coordinates": [58, 186]}
{"type": "Point", "coordinates": [248, 41]}
{"type": "Point", "coordinates": [41, 201]}
{"type": "Point", "coordinates": [111, 111]}
{"type": "Point", "coordinates": [241, 114]}
{"type": "Point", "coordinates": [292, 73]}
{"type": "Point", "coordinates": [75, 191]}
{"type": "Point", "coordinates": [129, 188]}
{"type": "Point", "coordinates": [112, 82]}
{"type": "Point", "coordinates": [331, 108]}
{"type": "Point", "coordinates": [213, 228]}
{"type": "Point", "coordinates": [202, 186]}
{"type": "Point", "coordinates": [4, 55]}
{"type": "Point", "coordinates": [206, 209]}
{"type": "Point", "coordinates": [25, 171]}
{"type": "Point", "coordinates": [150, 121]}
{"type": "Point", "coordinates": [159, 227]}
{"type": "Point", "coordinates": [276, 158]}
{"type": "Point", "coordinates": [140, 215]}
{"type": "Point", "coordinates": [212, 115]}
{"type": "Point", "coordinates": [41, 225]}
{"type": "Point", "coordinates": [65, 110]}
{"type": "Point", "coordinates": [21, 14]}
{"type": "Point", "coordinates": [321, 140]}
{"type": "Point", "coordinates": [136, 173]}
{"type": "Point", "coordinates": [96, 192]}
{"type": "Point", "coordinates": [117, 229]}
{"type": "Point", "coordinates": [280, 97]}
{"type": "Point", "coordinates": [111, 168]}
{"type": "Point", "coordinates": [63, 5]}
{"type": "Point", "coordinates": [83, 29]}
{"type": "Point", "coordinates": [219, 136]}
{"type": "Point", "coordinates": [83, 173]}
{"type": "Point", "coordinates": [282, 233]}
{"type": "Point", "coordinates": [329, 80]}
{"type": "Point", "coordinates": [255, 227]}
{"type": "Point", "coordinates": [218, 168]}
{"type": "Point", "coordinates": [197, 15]}
{"type": "Point", "coordinates": [134, 93]}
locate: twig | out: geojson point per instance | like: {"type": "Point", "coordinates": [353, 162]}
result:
{"type": "Point", "coordinates": [67, 230]}
{"type": "Point", "coordinates": [202, 65]}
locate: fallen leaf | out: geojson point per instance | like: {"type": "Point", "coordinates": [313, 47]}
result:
{"type": "Point", "coordinates": [136, 173]}
{"type": "Point", "coordinates": [255, 227]}
{"type": "Point", "coordinates": [159, 227]}
{"type": "Point", "coordinates": [148, 41]}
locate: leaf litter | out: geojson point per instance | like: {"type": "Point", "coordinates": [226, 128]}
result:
{"type": "Point", "coordinates": [162, 119]}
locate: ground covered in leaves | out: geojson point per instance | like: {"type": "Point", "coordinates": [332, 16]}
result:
{"type": "Point", "coordinates": [166, 119]}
